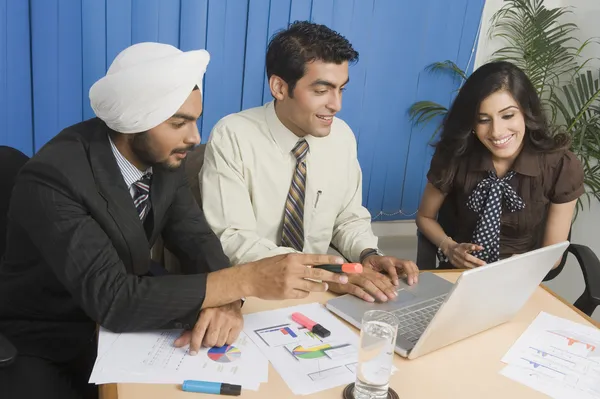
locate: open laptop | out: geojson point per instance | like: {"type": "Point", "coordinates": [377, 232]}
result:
{"type": "Point", "coordinates": [435, 313]}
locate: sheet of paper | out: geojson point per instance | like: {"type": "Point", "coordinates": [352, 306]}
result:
{"type": "Point", "coordinates": [105, 340]}
{"type": "Point", "coordinates": [151, 357]}
{"type": "Point", "coordinates": [558, 357]}
{"type": "Point", "coordinates": [306, 362]}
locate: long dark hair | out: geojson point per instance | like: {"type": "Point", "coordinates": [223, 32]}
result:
{"type": "Point", "coordinates": [457, 140]}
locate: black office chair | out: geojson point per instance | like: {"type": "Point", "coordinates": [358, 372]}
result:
{"type": "Point", "coordinates": [588, 261]}
{"type": "Point", "coordinates": [11, 161]}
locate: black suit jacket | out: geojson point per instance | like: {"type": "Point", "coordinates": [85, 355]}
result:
{"type": "Point", "coordinates": [77, 253]}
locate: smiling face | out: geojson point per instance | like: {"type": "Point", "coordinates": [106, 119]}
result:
{"type": "Point", "coordinates": [317, 97]}
{"type": "Point", "coordinates": [500, 126]}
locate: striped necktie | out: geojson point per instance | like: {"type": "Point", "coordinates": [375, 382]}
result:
{"type": "Point", "coordinates": [293, 220]}
{"type": "Point", "coordinates": [141, 197]}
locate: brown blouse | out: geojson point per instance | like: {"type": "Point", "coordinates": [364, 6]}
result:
{"type": "Point", "coordinates": [541, 179]}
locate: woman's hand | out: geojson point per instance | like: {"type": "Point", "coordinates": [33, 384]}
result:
{"type": "Point", "coordinates": [460, 256]}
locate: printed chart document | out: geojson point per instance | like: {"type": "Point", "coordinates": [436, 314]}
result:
{"type": "Point", "coordinates": [151, 357]}
{"type": "Point", "coordinates": [306, 362]}
{"type": "Point", "coordinates": [558, 357]}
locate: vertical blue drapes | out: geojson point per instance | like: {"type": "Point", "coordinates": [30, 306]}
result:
{"type": "Point", "coordinates": [52, 51]}
{"type": "Point", "coordinates": [16, 123]}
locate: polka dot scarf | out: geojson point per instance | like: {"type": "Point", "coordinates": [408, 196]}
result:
{"type": "Point", "coordinates": [486, 200]}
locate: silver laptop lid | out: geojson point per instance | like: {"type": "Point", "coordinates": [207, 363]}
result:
{"type": "Point", "coordinates": [487, 296]}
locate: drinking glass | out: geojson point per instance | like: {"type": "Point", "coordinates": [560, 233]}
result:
{"type": "Point", "coordinates": [376, 354]}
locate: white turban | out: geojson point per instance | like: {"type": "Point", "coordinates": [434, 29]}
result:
{"type": "Point", "coordinates": [146, 84]}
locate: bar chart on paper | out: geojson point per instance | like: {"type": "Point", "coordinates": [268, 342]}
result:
{"type": "Point", "coordinates": [578, 343]}
{"type": "Point", "coordinates": [558, 357]}
{"type": "Point", "coordinates": [278, 335]}
{"type": "Point", "coordinates": [307, 362]}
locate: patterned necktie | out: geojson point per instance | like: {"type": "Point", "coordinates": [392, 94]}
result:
{"type": "Point", "coordinates": [486, 200]}
{"type": "Point", "coordinates": [293, 219]}
{"type": "Point", "coordinates": [141, 197]}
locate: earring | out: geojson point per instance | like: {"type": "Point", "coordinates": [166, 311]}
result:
{"type": "Point", "coordinates": [473, 131]}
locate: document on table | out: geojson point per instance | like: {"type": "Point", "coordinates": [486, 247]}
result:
{"type": "Point", "coordinates": [306, 362]}
{"type": "Point", "coordinates": [558, 357]}
{"type": "Point", "coordinates": [151, 357]}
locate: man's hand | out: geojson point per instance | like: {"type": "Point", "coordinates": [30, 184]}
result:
{"type": "Point", "coordinates": [367, 285]}
{"type": "Point", "coordinates": [215, 327]}
{"type": "Point", "coordinates": [289, 276]}
{"type": "Point", "coordinates": [392, 266]}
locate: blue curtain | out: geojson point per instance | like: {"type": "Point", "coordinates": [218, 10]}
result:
{"type": "Point", "coordinates": [16, 123]}
{"type": "Point", "coordinates": [52, 51]}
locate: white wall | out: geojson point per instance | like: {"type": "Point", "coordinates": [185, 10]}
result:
{"type": "Point", "coordinates": [586, 14]}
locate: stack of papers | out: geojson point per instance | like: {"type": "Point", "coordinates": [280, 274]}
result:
{"type": "Point", "coordinates": [151, 357]}
{"type": "Point", "coordinates": [306, 362]}
{"type": "Point", "coordinates": [558, 357]}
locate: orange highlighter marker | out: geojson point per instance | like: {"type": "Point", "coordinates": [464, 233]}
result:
{"type": "Point", "coordinates": [343, 268]}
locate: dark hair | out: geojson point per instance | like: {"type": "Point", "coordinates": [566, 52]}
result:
{"type": "Point", "coordinates": [457, 140]}
{"type": "Point", "coordinates": [303, 42]}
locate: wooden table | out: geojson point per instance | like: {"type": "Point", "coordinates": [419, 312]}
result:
{"type": "Point", "coordinates": [466, 369]}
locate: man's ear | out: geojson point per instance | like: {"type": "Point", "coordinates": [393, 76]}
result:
{"type": "Point", "coordinates": [278, 87]}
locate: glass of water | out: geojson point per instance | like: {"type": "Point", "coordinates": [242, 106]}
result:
{"type": "Point", "coordinates": [376, 354]}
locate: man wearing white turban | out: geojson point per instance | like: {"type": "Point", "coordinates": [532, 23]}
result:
{"type": "Point", "coordinates": [84, 213]}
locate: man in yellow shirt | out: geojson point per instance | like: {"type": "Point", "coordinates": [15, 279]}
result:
{"type": "Point", "coordinates": [285, 177]}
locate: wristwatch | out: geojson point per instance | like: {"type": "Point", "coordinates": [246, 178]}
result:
{"type": "Point", "coordinates": [368, 252]}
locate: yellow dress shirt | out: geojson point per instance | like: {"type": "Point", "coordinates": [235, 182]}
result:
{"type": "Point", "coordinates": [246, 176]}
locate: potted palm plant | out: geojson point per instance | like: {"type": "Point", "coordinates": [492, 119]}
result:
{"type": "Point", "coordinates": [537, 40]}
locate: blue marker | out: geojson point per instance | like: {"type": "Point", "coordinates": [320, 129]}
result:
{"type": "Point", "coordinates": [211, 387]}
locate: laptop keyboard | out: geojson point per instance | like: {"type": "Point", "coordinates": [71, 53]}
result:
{"type": "Point", "coordinates": [414, 319]}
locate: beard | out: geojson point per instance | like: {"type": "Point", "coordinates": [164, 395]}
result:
{"type": "Point", "coordinates": [143, 148]}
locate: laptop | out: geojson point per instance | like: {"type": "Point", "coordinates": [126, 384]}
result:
{"type": "Point", "coordinates": [435, 313]}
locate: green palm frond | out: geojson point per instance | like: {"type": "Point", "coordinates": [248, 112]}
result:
{"type": "Point", "coordinates": [537, 41]}
{"type": "Point", "coordinates": [424, 112]}
{"type": "Point", "coordinates": [447, 66]}
{"type": "Point", "coordinates": [578, 105]}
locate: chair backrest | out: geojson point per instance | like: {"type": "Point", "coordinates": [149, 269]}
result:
{"type": "Point", "coordinates": [11, 161]}
{"type": "Point", "coordinates": [193, 164]}
{"type": "Point", "coordinates": [427, 251]}
{"type": "Point", "coordinates": [556, 271]}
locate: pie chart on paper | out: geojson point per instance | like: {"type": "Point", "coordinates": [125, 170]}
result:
{"type": "Point", "coordinates": [224, 354]}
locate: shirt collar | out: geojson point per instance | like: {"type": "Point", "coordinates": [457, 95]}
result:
{"type": "Point", "coordinates": [284, 137]}
{"type": "Point", "coordinates": [527, 163]}
{"type": "Point", "coordinates": [130, 173]}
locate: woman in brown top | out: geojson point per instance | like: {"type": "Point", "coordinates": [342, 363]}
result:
{"type": "Point", "coordinates": [510, 184]}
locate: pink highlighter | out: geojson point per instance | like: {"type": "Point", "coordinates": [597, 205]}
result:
{"type": "Point", "coordinates": [311, 325]}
